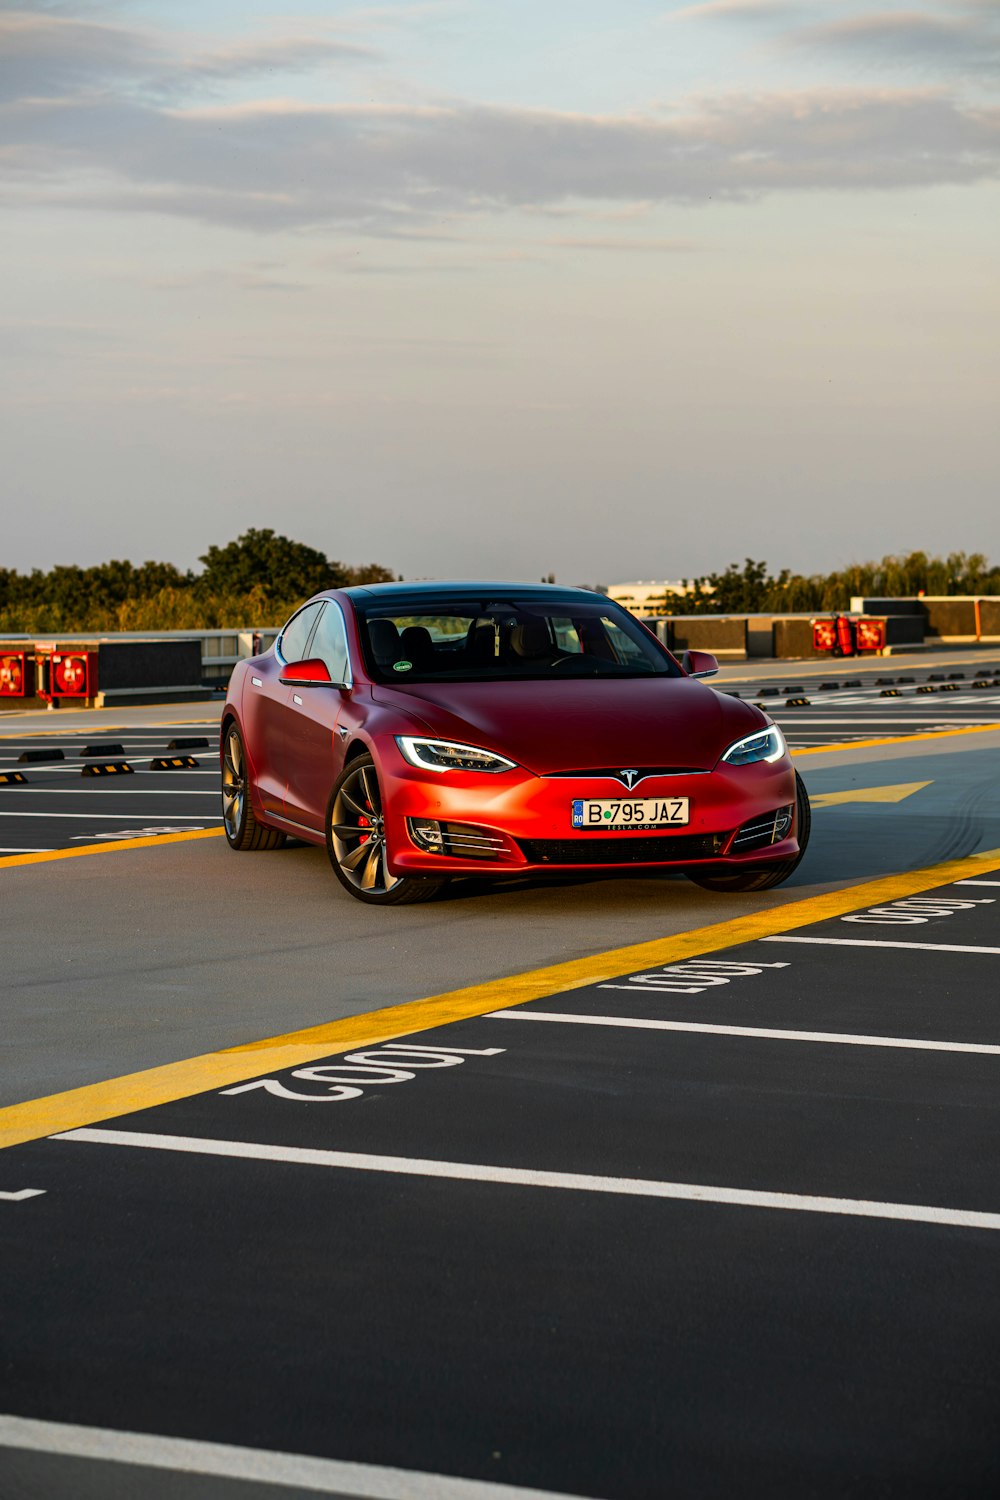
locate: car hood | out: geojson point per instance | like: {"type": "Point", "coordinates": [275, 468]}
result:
{"type": "Point", "coordinates": [576, 726]}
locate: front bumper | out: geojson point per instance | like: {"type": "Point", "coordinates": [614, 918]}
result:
{"type": "Point", "coordinates": [518, 821]}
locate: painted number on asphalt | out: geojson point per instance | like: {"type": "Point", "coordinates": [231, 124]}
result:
{"type": "Point", "coordinates": [692, 976]}
{"type": "Point", "coordinates": [138, 833]}
{"type": "Point", "coordinates": [917, 909]}
{"type": "Point", "coordinates": [347, 1078]}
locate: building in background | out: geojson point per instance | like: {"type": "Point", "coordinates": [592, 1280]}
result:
{"type": "Point", "coordinates": [646, 598]}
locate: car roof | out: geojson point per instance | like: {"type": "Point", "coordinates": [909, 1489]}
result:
{"type": "Point", "coordinates": [387, 593]}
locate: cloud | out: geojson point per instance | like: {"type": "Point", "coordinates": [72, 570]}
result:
{"type": "Point", "coordinates": [954, 36]}
{"type": "Point", "coordinates": [275, 54]}
{"type": "Point", "coordinates": [965, 38]}
{"type": "Point", "coordinates": [45, 55]}
{"type": "Point", "coordinates": [280, 164]}
{"type": "Point", "coordinates": [622, 243]}
{"type": "Point", "coordinates": [264, 277]}
{"type": "Point", "coordinates": [45, 341]}
{"type": "Point", "coordinates": [85, 127]}
{"type": "Point", "coordinates": [734, 10]}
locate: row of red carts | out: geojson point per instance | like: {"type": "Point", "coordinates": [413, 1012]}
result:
{"type": "Point", "coordinates": [847, 636]}
{"type": "Point", "coordinates": [48, 673]}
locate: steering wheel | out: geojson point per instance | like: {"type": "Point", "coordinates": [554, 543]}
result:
{"type": "Point", "coordinates": [571, 658]}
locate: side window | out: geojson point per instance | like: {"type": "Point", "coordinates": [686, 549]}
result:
{"type": "Point", "coordinates": [295, 636]}
{"type": "Point", "coordinates": [330, 643]}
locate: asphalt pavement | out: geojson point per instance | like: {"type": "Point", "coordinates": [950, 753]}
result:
{"type": "Point", "coordinates": [728, 1224]}
{"type": "Point", "coordinates": [587, 1187]}
{"type": "Point", "coordinates": [65, 786]}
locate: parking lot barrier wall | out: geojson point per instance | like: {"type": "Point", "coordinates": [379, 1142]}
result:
{"type": "Point", "coordinates": [948, 619]}
{"type": "Point", "coordinates": [205, 659]}
{"type": "Point", "coordinates": [723, 635]}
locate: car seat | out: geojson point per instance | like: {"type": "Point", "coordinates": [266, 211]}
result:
{"type": "Point", "coordinates": [384, 639]}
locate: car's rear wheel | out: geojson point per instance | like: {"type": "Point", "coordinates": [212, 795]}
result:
{"type": "Point", "coordinates": [356, 843]}
{"type": "Point", "coordinates": [242, 829]}
{"type": "Point", "coordinates": [771, 875]}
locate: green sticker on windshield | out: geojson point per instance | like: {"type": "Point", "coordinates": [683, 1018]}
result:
{"type": "Point", "coordinates": [401, 666]}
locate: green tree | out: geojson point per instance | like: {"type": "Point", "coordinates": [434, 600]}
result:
{"type": "Point", "coordinates": [279, 567]}
{"type": "Point", "coordinates": [369, 573]}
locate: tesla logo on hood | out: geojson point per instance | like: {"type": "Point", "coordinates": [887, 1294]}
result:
{"type": "Point", "coordinates": [629, 778]}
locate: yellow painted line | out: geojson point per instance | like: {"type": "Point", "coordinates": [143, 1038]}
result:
{"type": "Point", "coordinates": [113, 846]}
{"type": "Point", "coordinates": [867, 794]}
{"type": "Point", "coordinates": [215, 1070]}
{"type": "Point", "coordinates": [902, 739]}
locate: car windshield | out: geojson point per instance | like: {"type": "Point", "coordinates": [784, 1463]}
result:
{"type": "Point", "coordinates": [493, 639]}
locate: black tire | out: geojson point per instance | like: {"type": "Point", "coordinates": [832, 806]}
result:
{"type": "Point", "coordinates": [242, 829]}
{"type": "Point", "coordinates": [771, 875]}
{"type": "Point", "coordinates": [354, 825]}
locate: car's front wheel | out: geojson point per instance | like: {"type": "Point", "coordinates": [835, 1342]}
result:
{"type": "Point", "coordinates": [770, 875]}
{"type": "Point", "coordinates": [356, 841]}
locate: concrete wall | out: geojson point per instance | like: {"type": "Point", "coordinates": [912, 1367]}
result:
{"type": "Point", "coordinates": [724, 635]}
{"type": "Point", "coordinates": [861, 605]}
{"type": "Point", "coordinates": [129, 664]}
{"type": "Point", "coordinates": [949, 617]}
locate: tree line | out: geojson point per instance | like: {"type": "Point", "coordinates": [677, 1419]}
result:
{"type": "Point", "coordinates": [753, 589]}
{"type": "Point", "coordinates": [258, 579]}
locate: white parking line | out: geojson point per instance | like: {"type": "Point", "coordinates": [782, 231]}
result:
{"type": "Point", "coordinates": [137, 748]}
{"type": "Point", "coordinates": [879, 943]}
{"type": "Point", "coordinates": [977, 882]}
{"type": "Point", "coordinates": [58, 741]}
{"type": "Point", "coordinates": [842, 1037]}
{"type": "Point", "coordinates": [147, 745]}
{"type": "Point", "coordinates": [16, 813]}
{"type": "Point", "coordinates": [461, 1171]}
{"type": "Point", "coordinates": [117, 791]}
{"type": "Point", "coordinates": [324, 1476]}
{"type": "Point", "coordinates": [73, 768]}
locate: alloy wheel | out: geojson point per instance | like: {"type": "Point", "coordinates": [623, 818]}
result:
{"type": "Point", "coordinates": [357, 830]}
{"type": "Point", "coordinates": [234, 787]}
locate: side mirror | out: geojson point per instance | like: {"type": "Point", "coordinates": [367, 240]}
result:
{"type": "Point", "coordinates": [699, 664]}
{"type": "Point", "coordinates": [306, 673]}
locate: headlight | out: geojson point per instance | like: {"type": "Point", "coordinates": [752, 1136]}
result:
{"type": "Point", "coordinates": [443, 755]}
{"type": "Point", "coordinates": [766, 744]}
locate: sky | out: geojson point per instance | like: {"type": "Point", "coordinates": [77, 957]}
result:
{"type": "Point", "coordinates": [609, 289]}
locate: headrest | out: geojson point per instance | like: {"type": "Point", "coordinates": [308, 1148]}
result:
{"type": "Point", "coordinates": [416, 636]}
{"type": "Point", "coordinates": [385, 641]}
{"type": "Point", "coordinates": [416, 644]}
{"type": "Point", "coordinates": [530, 639]}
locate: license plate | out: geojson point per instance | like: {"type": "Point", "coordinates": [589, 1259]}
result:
{"type": "Point", "coordinates": [636, 812]}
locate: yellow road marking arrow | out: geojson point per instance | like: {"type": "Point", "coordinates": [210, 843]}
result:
{"type": "Point", "coordinates": [868, 794]}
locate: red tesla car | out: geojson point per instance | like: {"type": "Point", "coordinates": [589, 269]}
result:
{"type": "Point", "coordinates": [428, 730]}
